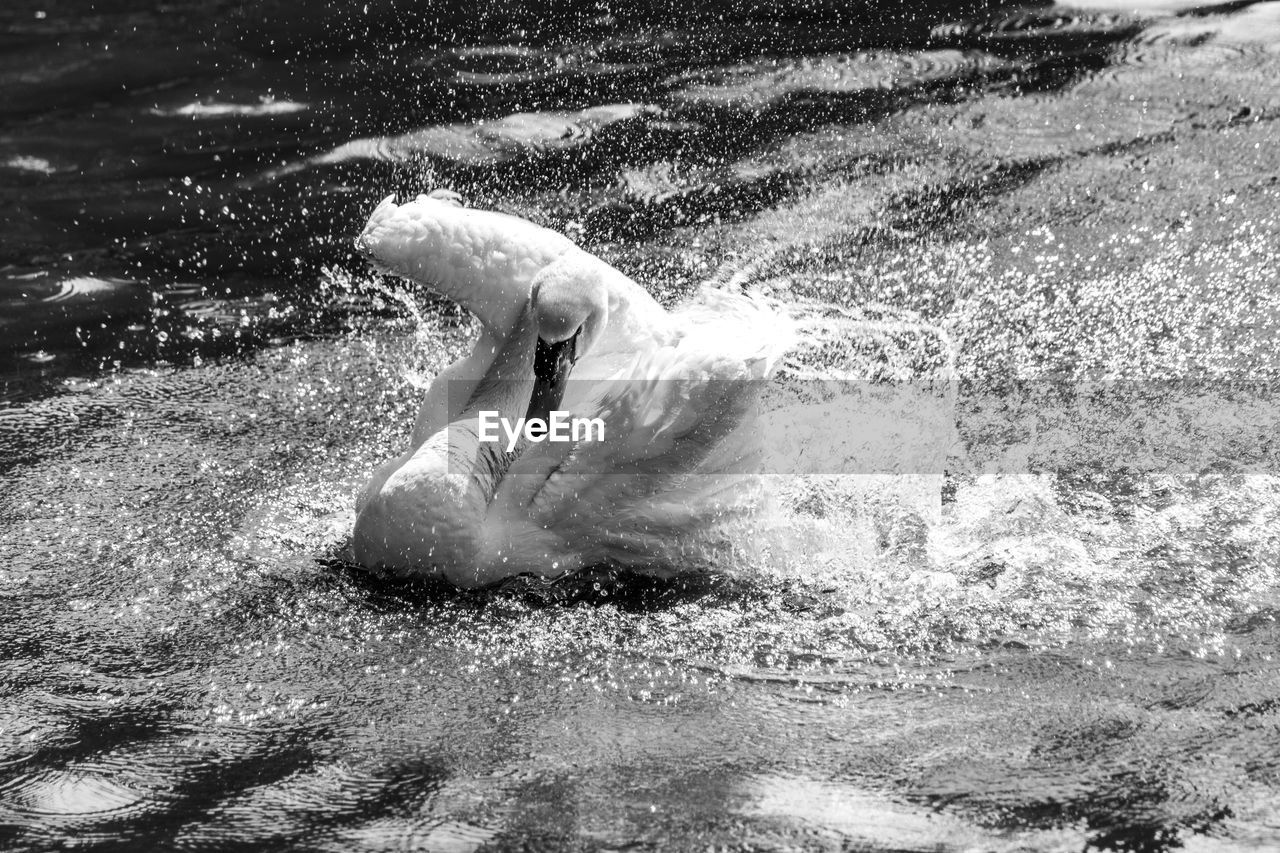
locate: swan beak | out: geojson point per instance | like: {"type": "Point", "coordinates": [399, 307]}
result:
{"type": "Point", "coordinates": [551, 366]}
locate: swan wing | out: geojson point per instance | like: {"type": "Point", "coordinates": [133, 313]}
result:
{"type": "Point", "coordinates": [677, 426]}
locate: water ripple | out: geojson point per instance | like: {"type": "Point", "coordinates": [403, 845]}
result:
{"type": "Point", "coordinates": [1033, 24]}
{"type": "Point", "coordinates": [1057, 126]}
{"type": "Point", "coordinates": [513, 65]}
{"type": "Point", "coordinates": [490, 143]}
{"type": "Point", "coordinates": [267, 106]}
{"type": "Point", "coordinates": [768, 83]}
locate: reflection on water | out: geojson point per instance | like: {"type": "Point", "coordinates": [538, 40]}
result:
{"type": "Point", "coordinates": [198, 374]}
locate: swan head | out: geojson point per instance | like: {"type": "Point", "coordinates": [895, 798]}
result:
{"type": "Point", "coordinates": [570, 304]}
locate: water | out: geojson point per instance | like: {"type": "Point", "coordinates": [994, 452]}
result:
{"type": "Point", "coordinates": [197, 375]}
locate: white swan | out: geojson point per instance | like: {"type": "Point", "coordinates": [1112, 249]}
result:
{"type": "Point", "coordinates": [673, 389]}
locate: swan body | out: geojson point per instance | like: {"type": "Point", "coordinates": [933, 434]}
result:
{"type": "Point", "coordinates": [562, 330]}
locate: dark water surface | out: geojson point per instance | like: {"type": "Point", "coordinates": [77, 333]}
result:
{"type": "Point", "coordinates": [197, 374]}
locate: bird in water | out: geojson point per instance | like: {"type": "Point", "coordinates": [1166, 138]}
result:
{"type": "Point", "coordinates": [562, 331]}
